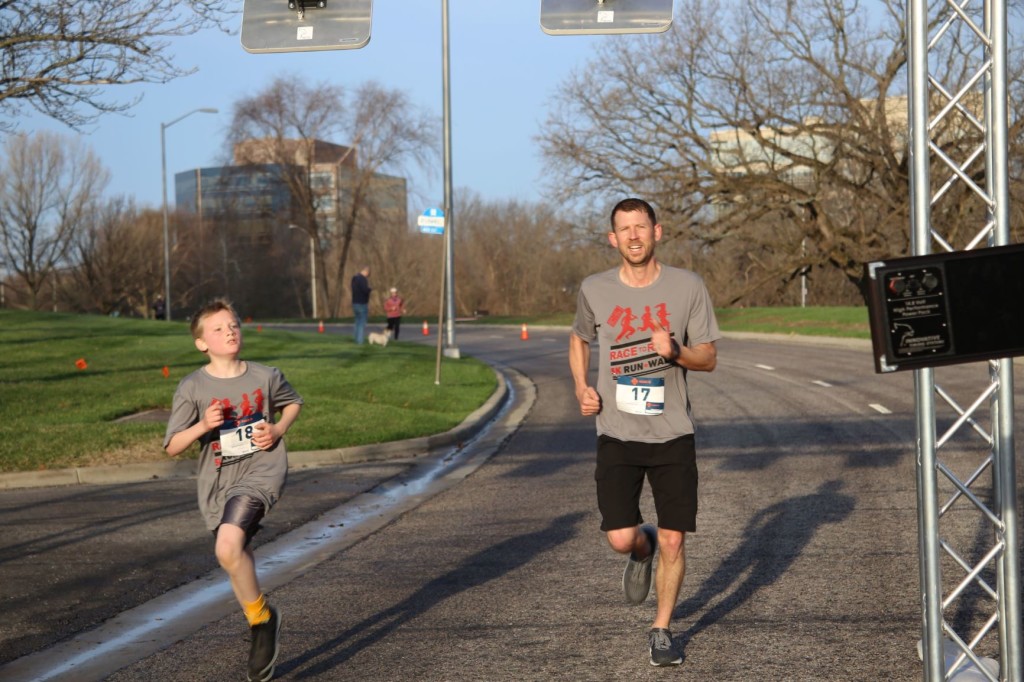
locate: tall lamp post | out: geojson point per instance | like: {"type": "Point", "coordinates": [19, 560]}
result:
{"type": "Point", "coordinates": [167, 242]}
{"type": "Point", "coordinates": [312, 268]}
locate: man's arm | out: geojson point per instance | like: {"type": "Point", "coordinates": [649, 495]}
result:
{"type": "Point", "coordinates": [579, 365]}
{"type": "Point", "coordinates": [700, 358]}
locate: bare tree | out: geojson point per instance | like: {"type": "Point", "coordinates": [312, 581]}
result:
{"type": "Point", "coordinates": [291, 125]}
{"type": "Point", "coordinates": [517, 257]}
{"type": "Point", "coordinates": [116, 262]}
{"type": "Point", "coordinates": [49, 186]}
{"type": "Point", "coordinates": [771, 134]}
{"type": "Point", "coordinates": [57, 56]}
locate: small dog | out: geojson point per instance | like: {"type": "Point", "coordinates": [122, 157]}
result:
{"type": "Point", "coordinates": [380, 338]}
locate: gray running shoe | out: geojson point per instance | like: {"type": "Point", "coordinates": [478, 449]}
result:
{"type": "Point", "coordinates": [636, 579]}
{"type": "Point", "coordinates": [265, 648]}
{"type": "Point", "coordinates": [663, 650]}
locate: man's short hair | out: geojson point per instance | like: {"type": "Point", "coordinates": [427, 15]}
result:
{"type": "Point", "coordinates": [633, 204]}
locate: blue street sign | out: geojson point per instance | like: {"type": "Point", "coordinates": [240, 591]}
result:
{"type": "Point", "coordinates": [432, 221]}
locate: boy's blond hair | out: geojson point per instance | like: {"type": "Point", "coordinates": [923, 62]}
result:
{"type": "Point", "coordinates": [214, 306]}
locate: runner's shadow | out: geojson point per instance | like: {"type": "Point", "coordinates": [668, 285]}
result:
{"type": "Point", "coordinates": [775, 538]}
{"type": "Point", "coordinates": [480, 568]}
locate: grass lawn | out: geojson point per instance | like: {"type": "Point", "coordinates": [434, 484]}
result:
{"type": "Point", "coordinates": [56, 413]}
{"type": "Point", "coordinates": [825, 321]}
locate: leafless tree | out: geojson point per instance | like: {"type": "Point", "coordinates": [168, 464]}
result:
{"type": "Point", "coordinates": [517, 257]}
{"type": "Point", "coordinates": [116, 264]}
{"type": "Point", "coordinates": [58, 56]}
{"type": "Point", "coordinates": [298, 129]}
{"type": "Point", "coordinates": [49, 188]}
{"type": "Point", "coordinates": [771, 134]}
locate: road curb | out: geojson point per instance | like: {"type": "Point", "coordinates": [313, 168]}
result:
{"type": "Point", "coordinates": [176, 469]}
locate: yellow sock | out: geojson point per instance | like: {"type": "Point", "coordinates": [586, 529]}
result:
{"type": "Point", "coordinates": [256, 612]}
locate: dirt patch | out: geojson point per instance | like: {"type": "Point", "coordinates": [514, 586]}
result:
{"type": "Point", "coordinates": [146, 416]}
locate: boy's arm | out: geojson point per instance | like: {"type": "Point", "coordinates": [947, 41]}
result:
{"type": "Point", "coordinates": [268, 434]}
{"type": "Point", "coordinates": [289, 413]}
{"type": "Point", "coordinates": [181, 441]}
{"type": "Point", "coordinates": [213, 417]}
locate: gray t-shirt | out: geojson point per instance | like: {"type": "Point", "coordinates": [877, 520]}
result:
{"type": "Point", "coordinates": [620, 317]}
{"type": "Point", "coordinates": [225, 467]}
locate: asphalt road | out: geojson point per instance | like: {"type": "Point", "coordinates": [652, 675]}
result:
{"type": "Point", "coordinates": [804, 566]}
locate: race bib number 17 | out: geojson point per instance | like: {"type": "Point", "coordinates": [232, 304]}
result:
{"type": "Point", "coordinates": [640, 395]}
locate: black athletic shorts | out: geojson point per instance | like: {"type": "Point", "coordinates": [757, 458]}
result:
{"type": "Point", "coordinates": [244, 511]}
{"type": "Point", "coordinates": [671, 469]}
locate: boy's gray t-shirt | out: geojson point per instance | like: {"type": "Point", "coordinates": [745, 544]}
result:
{"type": "Point", "coordinates": [620, 317]}
{"type": "Point", "coordinates": [260, 392]}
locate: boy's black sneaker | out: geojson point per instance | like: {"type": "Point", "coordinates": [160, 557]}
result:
{"type": "Point", "coordinates": [636, 579]}
{"type": "Point", "coordinates": [663, 650]}
{"type": "Point", "coordinates": [265, 647]}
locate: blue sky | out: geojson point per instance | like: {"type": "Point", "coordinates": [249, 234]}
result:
{"type": "Point", "coordinates": [504, 71]}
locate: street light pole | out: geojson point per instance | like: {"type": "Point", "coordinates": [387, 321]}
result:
{"type": "Point", "coordinates": [163, 177]}
{"type": "Point", "coordinates": [312, 268]}
{"type": "Point", "coordinates": [312, 273]}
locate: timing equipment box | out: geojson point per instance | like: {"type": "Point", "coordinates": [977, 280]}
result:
{"type": "Point", "coordinates": [948, 308]}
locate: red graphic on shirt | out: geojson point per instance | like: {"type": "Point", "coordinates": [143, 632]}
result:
{"type": "Point", "coordinates": [250, 406]}
{"type": "Point", "coordinates": [229, 409]}
{"type": "Point", "coordinates": [623, 318]}
{"type": "Point", "coordinates": [648, 322]}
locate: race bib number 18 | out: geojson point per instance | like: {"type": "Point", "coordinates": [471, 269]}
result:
{"type": "Point", "coordinates": [640, 395]}
{"type": "Point", "coordinates": [236, 436]}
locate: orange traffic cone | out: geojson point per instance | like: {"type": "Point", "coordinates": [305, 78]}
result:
{"type": "Point", "coordinates": [426, 329]}
{"type": "Point", "coordinates": [321, 327]}
{"type": "Point", "coordinates": [524, 335]}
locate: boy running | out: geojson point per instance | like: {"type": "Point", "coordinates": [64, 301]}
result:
{"type": "Point", "coordinates": [229, 407]}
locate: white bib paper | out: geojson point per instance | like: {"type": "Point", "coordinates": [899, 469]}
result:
{"type": "Point", "coordinates": [236, 435]}
{"type": "Point", "coordinates": [640, 395]}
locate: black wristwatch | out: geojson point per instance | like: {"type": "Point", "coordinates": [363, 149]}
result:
{"type": "Point", "coordinates": [676, 351]}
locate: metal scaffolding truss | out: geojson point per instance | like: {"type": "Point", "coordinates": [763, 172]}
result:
{"type": "Point", "coordinates": [967, 518]}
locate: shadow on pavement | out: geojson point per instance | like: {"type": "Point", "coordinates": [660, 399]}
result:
{"type": "Point", "coordinates": [774, 539]}
{"type": "Point", "coordinates": [476, 570]}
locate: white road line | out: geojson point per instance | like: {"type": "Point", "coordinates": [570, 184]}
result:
{"type": "Point", "coordinates": [767, 367]}
{"type": "Point", "coordinates": [822, 383]}
{"type": "Point", "coordinates": [880, 408]}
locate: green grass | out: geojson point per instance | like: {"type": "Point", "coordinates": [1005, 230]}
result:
{"type": "Point", "coordinates": [56, 415]}
{"type": "Point", "coordinates": [828, 321]}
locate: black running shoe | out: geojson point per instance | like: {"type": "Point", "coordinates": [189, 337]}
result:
{"type": "Point", "coordinates": [265, 647]}
{"type": "Point", "coordinates": [663, 650]}
{"type": "Point", "coordinates": [636, 578]}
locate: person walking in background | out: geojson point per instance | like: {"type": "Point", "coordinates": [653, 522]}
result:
{"type": "Point", "coordinates": [394, 308]}
{"type": "Point", "coordinates": [653, 322]}
{"type": "Point", "coordinates": [228, 407]}
{"type": "Point", "coordinates": [361, 301]}
{"type": "Point", "coordinates": [159, 309]}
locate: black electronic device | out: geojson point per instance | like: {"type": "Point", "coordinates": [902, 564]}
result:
{"type": "Point", "coordinates": [946, 308]}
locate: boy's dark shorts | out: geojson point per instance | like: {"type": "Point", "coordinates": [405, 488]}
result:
{"type": "Point", "coordinates": [244, 511]}
{"type": "Point", "coordinates": [671, 469]}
